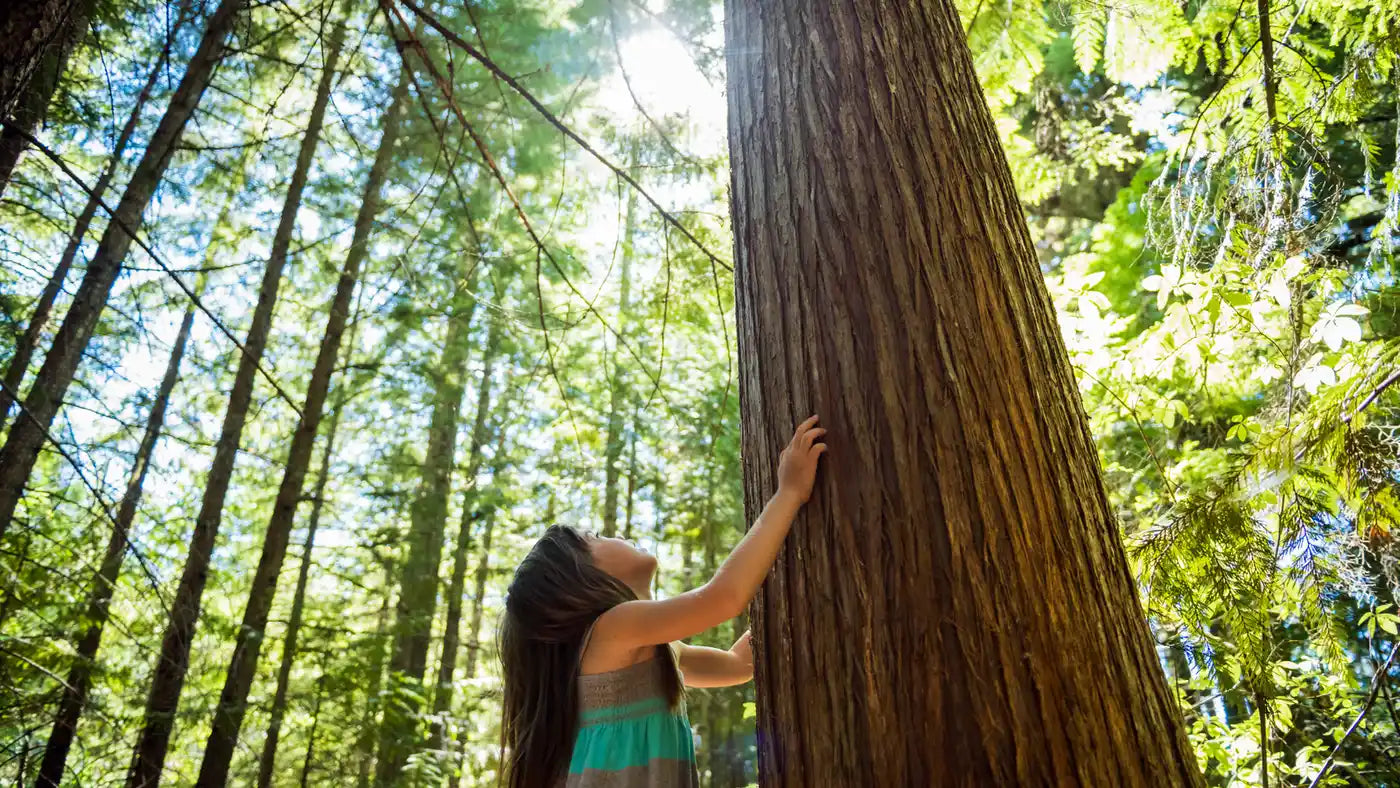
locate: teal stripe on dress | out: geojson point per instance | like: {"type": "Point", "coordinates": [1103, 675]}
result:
{"type": "Point", "coordinates": [611, 746]}
{"type": "Point", "coordinates": [640, 708]}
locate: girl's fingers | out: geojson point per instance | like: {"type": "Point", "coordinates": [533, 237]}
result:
{"type": "Point", "coordinates": [801, 428]}
{"type": "Point", "coordinates": [811, 437]}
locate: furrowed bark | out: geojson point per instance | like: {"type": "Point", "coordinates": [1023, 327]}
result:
{"type": "Point", "coordinates": [954, 606]}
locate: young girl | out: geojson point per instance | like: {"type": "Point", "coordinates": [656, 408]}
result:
{"type": "Point", "coordinates": [593, 669]}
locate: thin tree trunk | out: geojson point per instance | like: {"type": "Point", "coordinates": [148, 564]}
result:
{"type": "Point", "coordinates": [289, 644]}
{"type": "Point", "coordinates": [32, 106]}
{"type": "Point", "coordinates": [631, 478]}
{"type": "Point", "coordinates": [164, 696]}
{"type": "Point", "coordinates": [24, 350]}
{"type": "Point", "coordinates": [483, 571]}
{"type": "Point", "coordinates": [487, 515]}
{"type": "Point", "coordinates": [27, 434]}
{"type": "Point", "coordinates": [71, 703]}
{"type": "Point", "coordinates": [364, 742]}
{"type": "Point", "coordinates": [447, 665]}
{"type": "Point", "coordinates": [958, 568]}
{"type": "Point", "coordinates": [228, 716]}
{"type": "Point", "coordinates": [418, 585]}
{"type": "Point", "coordinates": [311, 736]}
{"type": "Point", "coordinates": [617, 398]}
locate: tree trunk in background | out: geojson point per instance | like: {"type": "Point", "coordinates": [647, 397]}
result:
{"type": "Point", "coordinates": [483, 570]}
{"type": "Point", "coordinates": [364, 743]}
{"type": "Point", "coordinates": [32, 105]}
{"type": "Point", "coordinates": [627, 509]}
{"type": "Point", "coordinates": [451, 636]}
{"type": "Point", "coordinates": [228, 716]}
{"type": "Point", "coordinates": [75, 691]}
{"type": "Point", "coordinates": [617, 399]}
{"type": "Point", "coordinates": [24, 350]}
{"type": "Point", "coordinates": [954, 606]}
{"type": "Point", "coordinates": [27, 434]}
{"type": "Point", "coordinates": [418, 583]}
{"type": "Point", "coordinates": [311, 736]}
{"type": "Point", "coordinates": [268, 758]}
{"type": "Point", "coordinates": [169, 676]}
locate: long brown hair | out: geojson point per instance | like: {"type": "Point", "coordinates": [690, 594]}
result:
{"type": "Point", "coordinates": [556, 595]}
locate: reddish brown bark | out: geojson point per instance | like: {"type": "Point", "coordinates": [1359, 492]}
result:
{"type": "Point", "coordinates": [954, 606]}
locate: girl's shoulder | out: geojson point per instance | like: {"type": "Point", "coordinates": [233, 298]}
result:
{"type": "Point", "coordinates": [601, 656]}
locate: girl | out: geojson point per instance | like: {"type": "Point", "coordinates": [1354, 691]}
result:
{"type": "Point", "coordinates": [593, 671]}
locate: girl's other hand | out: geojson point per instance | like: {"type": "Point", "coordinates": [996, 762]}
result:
{"type": "Point", "coordinates": [743, 648]}
{"type": "Point", "coordinates": [797, 465]}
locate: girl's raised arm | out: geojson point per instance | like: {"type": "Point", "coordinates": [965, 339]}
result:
{"type": "Point", "coordinates": [646, 622]}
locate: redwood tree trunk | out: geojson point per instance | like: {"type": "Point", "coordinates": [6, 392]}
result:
{"type": "Point", "coordinates": [75, 691]}
{"type": "Point", "coordinates": [954, 606]}
{"type": "Point", "coordinates": [27, 434]}
{"type": "Point", "coordinates": [164, 696]}
{"type": "Point", "coordinates": [24, 349]}
{"type": "Point", "coordinates": [228, 716]}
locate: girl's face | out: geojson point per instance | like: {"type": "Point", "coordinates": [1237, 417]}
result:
{"type": "Point", "coordinates": [622, 559]}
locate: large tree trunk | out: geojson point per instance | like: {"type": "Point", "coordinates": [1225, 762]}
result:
{"type": "Point", "coordinates": [268, 760]}
{"type": "Point", "coordinates": [75, 691]}
{"type": "Point", "coordinates": [228, 715]}
{"type": "Point", "coordinates": [417, 603]}
{"type": "Point", "coordinates": [24, 349]}
{"type": "Point", "coordinates": [32, 105]}
{"type": "Point", "coordinates": [27, 434]}
{"type": "Point", "coordinates": [169, 677]}
{"type": "Point", "coordinates": [954, 606]}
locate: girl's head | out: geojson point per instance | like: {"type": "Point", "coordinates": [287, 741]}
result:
{"type": "Point", "coordinates": [568, 579]}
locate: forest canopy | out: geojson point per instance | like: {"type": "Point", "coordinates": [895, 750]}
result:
{"type": "Point", "coordinates": [314, 314]}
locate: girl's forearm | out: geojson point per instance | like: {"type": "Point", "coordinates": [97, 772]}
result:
{"type": "Point", "coordinates": [743, 572]}
{"type": "Point", "coordinates": [711, 667]}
